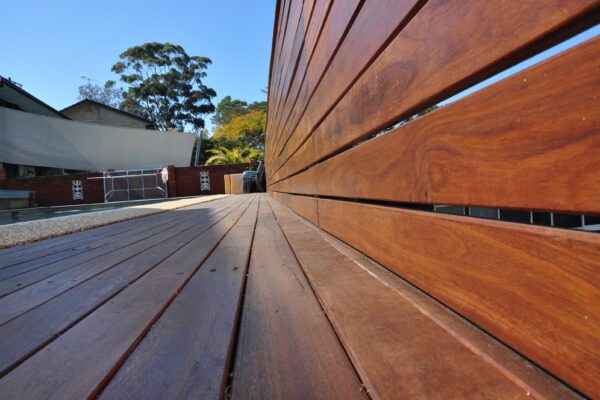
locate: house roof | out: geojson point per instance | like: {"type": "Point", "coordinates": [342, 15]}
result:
{"type": "Point", "coordinates": [127, 114]}
{"type": "Point", "coordinates": [12, 93]}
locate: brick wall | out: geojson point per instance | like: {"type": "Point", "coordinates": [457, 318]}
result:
{"type": "Point", "coordinates": [57, 191]}
{"type": "Point", "coordinates": [188, 178]}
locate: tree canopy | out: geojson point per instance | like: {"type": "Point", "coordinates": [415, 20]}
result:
{"type": "Point", "coordinates": [223, 155]}
{"type": "Point", "coordinates": [108, 94]}
{"type": "Point", "coordinates": [239, 124]}
{"type": "Point", "coordinates": [239, 132]}
{"type": "Point", "coordinates": [247, 129]}
{"type": "Point", "coordinates": [164, 84]}
{"type": "Point", "coordinates": [227, 109]}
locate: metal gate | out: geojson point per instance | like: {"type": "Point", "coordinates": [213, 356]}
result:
{"type": "Point", "coordinates": [135, 184]}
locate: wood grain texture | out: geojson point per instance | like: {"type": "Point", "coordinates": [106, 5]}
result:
{"type": "Point", "coordinates": [28, 273]}
{"type": "Point", "coordinates": [298, 48]}
{"type": "Point", "coordinates": [295, 38]}
{"type": "Point", "coordinates": [274, 70]}
{"type": "Point", "coordinates": [31, 296]}
{"type": "Point", "coordinates": [17, 257]}
{"type": "Point", "coordinates": [28, 333]}
{"type": "Point", "coordinates": [286, 347]}
{"type": "Point", "coordinates": [528, 142]}
{"type": "Point", "coordinates": [187, 352]}
{"type": "Point", "coordinates": [336, 24]}
{"type": "Point", "coordinates": [282, 8]}
{"type": "Point", "coordinates": [375, 23]}
{"type": "Point", "coordinates": [270, 139]}
{"type": "Point", "coordinates": [282, 108]}
{"type": "Point", "coordinates": [281, 31]}
{"type": "Point", "coordinates": [537, 289]}
{"type": "Point", "coordinates": [306, 207]}
{"type": "Point", "coordinates": [25, 299]}
{"type": "Point", "coordinates": [446, 48]}
{"type": "Point", "coordinates": [43, 267]}
{"type": "Point", "coordinates": [293, 19]}
{"type": "Point", "coordinates": [49, 246]}
{"type": "Point", "coordinates": [276, 25]}
{"type": "Point", "coordinates": [404, 344]}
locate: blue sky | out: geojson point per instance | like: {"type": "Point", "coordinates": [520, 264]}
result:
{"type": "Point", "coordinates": [48, 45]}
{"type": "Point", "coordinates": [575, 40]}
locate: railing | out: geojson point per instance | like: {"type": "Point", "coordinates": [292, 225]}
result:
{"type": "Point", "coordinates": [139, 184]}
{"type": "Point", "coordinates": [344, 150]}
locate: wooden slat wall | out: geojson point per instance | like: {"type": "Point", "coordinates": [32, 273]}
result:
{"type": "Point", "coordinates": [387, 16]}
{"type": "Point", "coordinates": [529, 142]}
{"type": "Point", "coordinates": [335, 25]}
{"type": "Point", "coordinates": [316, 20]}
{"type": "Point", "coordinates": [429, 61]}
{"type": "Point", "coordinates": [288, 45]}
{"type": "Point", "coordinates": [535, 288]}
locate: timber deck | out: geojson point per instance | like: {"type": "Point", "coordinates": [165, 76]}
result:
{"type": "Point", "coordinates": [241, 298]}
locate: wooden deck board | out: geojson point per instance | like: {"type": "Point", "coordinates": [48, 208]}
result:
{"type": "Point", "coordinates": [43, 323]}
{"type": "Point", "coordinates": [187, 352]}
{"type": "Point", "coordinates": [124, 245]}
{"type": "Point", "coordinates": [33, 249]}
{"type": "Point", "coordinates": [46, 289]}
{"type": "Point", "coordinates": [169, 315]}
{"type": "Point", "coordinates": [88, 354]}
{"type": "Point", "coordinates": [287, 348]}
{"type": "Point", "coordinates": [85, 242]}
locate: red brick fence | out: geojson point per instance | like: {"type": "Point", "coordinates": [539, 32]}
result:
{"type": "Point", "coordinates": [57, 190]}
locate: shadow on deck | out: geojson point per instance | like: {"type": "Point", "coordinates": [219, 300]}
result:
{"type": "Point", "coordinates": [236, 297]}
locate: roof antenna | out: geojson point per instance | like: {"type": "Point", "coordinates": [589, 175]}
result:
{"type": "Point", "coordinates": [15, 82]}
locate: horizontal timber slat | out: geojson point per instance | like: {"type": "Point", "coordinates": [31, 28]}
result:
{"type": "Point", "coordinates": [485, 270]}
{"type": "Point", "coordinates": [293, 42]}
{"type": "Point", "coordinates": [303, 206]}
{"type": "Point", "coordinates": [320, 11]}
{"type": "Point", "coordinates": [275, 70]}
{"type": "Point", "coordinates": [530, 142]}
{"type": "Point", "coordinates": [375, 23]}
{"type": "Point", "coordinates": [402, 343]}
{"type": "Point", "coordinates": [337, 22]}
{"type": "Point", "coordinates": [429, 61]}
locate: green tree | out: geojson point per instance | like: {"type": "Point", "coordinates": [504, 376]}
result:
{"type": "Point", "coordinates": [164, 84]}
{"type": "Point", "coordinates": [227, 109]}
{"type": "Point", "coordinates": [223, 155]}
{"type": "Point", "coordinates": [258, 106]}
{"type": "Point", "coordinates": [247, 130]}
{"type": "Point", "coordinates": [108, 94]}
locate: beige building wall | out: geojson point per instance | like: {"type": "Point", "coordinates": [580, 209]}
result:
{"type": "Point", "coordinates": [94, 113]}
